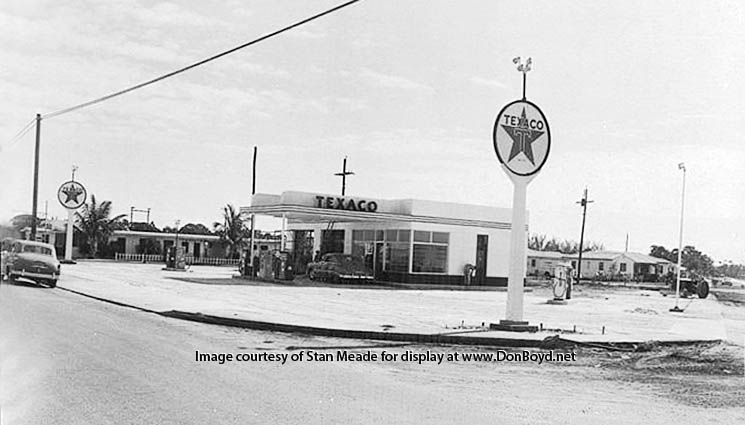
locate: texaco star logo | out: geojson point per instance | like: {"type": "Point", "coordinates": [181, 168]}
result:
{"type": "Point", "coordinates": [521, 138]}
{"type": "Point", "coordinates": [72, 195]}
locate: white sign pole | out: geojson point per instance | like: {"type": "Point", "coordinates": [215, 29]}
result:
{"type": "Point", "coordinates": [68, 237]}
{"type": "Point", "coordinates": [516, 276]}
{"type": "Point", "coordinates": [71, 195]}
{"type": "Point", "coordinates": [522, 142]}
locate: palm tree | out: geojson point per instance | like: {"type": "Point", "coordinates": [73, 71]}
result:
{"type": "Point", "coordinates": [231, 231]}
{"type": "Point", "coordinates": [93, 220]}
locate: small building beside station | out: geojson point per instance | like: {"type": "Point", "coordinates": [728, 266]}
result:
{"type": "Point", "coordinates": [195, 246]}
{"type": "Point", "coordinates": [603, 265]}
{"type": "Point", "coordinates": [543, 263]}
{"type": "Point", "coordinates": [401, 240]}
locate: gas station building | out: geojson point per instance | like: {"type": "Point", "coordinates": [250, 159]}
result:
{"type": "Point", "coordinates": [401, 240]}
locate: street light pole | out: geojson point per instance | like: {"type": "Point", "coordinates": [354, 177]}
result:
{"type": "Point", "coordinates": [677, 309]}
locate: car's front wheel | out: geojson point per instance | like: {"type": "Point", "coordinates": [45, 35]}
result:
{"type": "Point", "coordinates": [312, 274]}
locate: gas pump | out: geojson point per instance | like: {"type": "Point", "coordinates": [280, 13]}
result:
{"type": "Point", "coordinates": [175, 258]}
{"type": "Point", "coordinates": [560, 283]}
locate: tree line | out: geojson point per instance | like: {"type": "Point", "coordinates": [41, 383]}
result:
{"type": "Point", "coordinates": [541, 242]}
{"type": "Point", "coordinates": [697, 262]}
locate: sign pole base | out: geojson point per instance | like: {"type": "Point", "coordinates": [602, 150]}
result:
{"type": "Point", "coordinates": [513, 326]}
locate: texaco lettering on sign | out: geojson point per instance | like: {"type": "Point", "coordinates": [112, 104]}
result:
{"type": "Point", "coordinates": [521, 138]}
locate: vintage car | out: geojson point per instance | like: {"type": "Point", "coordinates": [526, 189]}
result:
{"type": "Point", "coordinates": [35, 261]}
{"type": "Point", "coordinates": [339, 268]}
{"type": "Point", "coordinates": [690, 284]}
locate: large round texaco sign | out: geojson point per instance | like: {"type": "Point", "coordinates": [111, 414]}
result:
{"type": "Point", "coordinates": [72, 195]}
{"type": "Point", "coordinates": [522, 139]}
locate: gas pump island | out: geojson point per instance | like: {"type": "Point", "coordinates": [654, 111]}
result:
{"type": "Point", "coordinates": [522, 142]}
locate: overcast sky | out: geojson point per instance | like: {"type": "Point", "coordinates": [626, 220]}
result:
{"type": "Point", "coordinates": [408, 90]}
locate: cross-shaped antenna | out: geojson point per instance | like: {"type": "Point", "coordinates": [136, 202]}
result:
{"type": "Point", "coordinates": [524, 68]}
{"type": "Point", "coordinates": [344, 173]}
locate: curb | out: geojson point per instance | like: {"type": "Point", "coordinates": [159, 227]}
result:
{"type": "Point", "coordinates": [350, 333]}
{"type": "Point", "coordinates": [551, 342]}
{"type": "Point", "coordinates": [120, 304]}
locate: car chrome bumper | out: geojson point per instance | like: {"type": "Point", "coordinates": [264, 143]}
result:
{"type": "Point", "coordinates": [350, 276]}
{"type": "Point", "coordinates": [24, 273]}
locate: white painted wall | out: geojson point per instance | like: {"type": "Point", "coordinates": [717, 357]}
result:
{"type": "Point", "coordinates": [461, 249]}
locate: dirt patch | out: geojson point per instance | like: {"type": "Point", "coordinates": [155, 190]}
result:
{"type": "Point", "coordinates": [705, 375]}
{"type": "Point", "coordinates": [642, 311]}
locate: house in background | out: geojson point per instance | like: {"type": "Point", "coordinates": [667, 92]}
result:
{"type": "Point", "coordinates": [604, 265]}
{"type": "Point", "coordinates": [158, 243]}
{"type": "Point", "coordinates": [542, 263]}
{"type": "Point", "coordinates": [195, 246]}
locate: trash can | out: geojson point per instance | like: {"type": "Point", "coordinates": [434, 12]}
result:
{"type": "Point", "coordinates": [469, 273]}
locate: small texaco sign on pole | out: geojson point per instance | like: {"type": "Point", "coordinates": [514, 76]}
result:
{"type": "Point", "coordinates": [522, 141]}
{"type": "Point", "coordinates": [71, 195]}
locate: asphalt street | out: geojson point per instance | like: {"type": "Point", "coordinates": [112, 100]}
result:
{"type": "Point", "coordinates": [68, 359]}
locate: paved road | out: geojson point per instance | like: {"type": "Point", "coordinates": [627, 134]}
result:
{"type": "Point", "coordinates": [67, 359]}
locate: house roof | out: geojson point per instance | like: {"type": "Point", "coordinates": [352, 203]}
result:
{"type": "Point", "coordinates": [160, 235]}
{"type": "Point", "coordinates": [594, 255]}
{"type": "Point", "coordinates": [554, 255]}
{"type": "Point", "coordinates": [643, 258]}
{"type": "Point", "coordinates": [635, 257]}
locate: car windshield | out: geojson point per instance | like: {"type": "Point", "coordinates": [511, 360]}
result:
{"type": "Point", "coordinates": [35, 249]}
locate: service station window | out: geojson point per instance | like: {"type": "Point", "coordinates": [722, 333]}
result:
{"type": "Point", "coordinates": [362, 242]}
{"type": "Point", "coordinates": [430, 252]}
{"type": "Point", "coordinates": [397, 253]}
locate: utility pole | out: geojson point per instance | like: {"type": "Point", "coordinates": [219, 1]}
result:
{"type": "Point", "coordinates": [627, 243]}
{"type": "Point", "coordinates": [344, 173]}
{"type": "Point", "coordinates": [251, 264]}
{"type": "Point", "coordinates": [36, 178]}
{"type": "Point", "coordinates": [583, 202]}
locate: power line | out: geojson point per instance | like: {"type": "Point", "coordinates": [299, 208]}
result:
{"type": "Point", "coordinates": [15, 139]}
{"type": "Point", "coordinates": [202, 62]}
